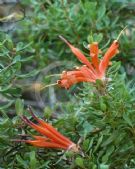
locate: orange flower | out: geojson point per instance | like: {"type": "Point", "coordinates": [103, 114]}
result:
{"type": "Point", "coordinates": [90, 71]}
{"type": "Point", "coordinates": [50, 138]}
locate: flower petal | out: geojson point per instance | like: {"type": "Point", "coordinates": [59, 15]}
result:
{"type": "Point", "coordinates": [108, 55]}
{"type": "Point", "coordinates": [67, 83]}
{"type": "Point", "coordinates": [94, 55]}
{"type": "Point", "coordinates": [40, 143]}
{"type": "Point", "coordinates": [51, 129]}
{"type": "Point", "coordinates": [79, 54]}
{"type": "Point", "coordinates": [45, 132]}
{"type": "Point", "coordinates": [41, 138]}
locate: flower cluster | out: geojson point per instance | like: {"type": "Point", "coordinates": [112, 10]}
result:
{"type": "Point", "coordinates": [50, 137]}
{"type": "Point", "coordinates": [90, 71]}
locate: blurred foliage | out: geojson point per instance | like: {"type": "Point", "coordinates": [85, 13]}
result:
{"type": "Point", "coordinates": [101, 115]}
{"type": "Point", "coordinates": [46, 20]}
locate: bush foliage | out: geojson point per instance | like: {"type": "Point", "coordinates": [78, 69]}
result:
{"type": "Point", "coordinates": [98, 116]}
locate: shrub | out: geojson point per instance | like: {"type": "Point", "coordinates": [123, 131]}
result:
{"type": "Point", "coordinates": [98, 116]}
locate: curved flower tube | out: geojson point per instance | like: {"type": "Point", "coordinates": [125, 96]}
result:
{"type": "Point", "coordinates": [50, 137]}
{"type": "Point", "coordinates": [90, 71]}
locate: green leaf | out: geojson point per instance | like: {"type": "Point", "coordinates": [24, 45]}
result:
{"type": "Point", "coordinates": [5, 106]}
{"type": "Point", "coordinates": [98, 143]}
{"type": "Point", "coordinates": [101, 11]}
{"type": "Point", "coordinates": [79, 162]}
{"type": "Point", "coordinates": [104, 166]}
{"type": "Point", "coordinates": [9, 44]}
{"type": "Point", "coordinates": [95, 38]}
{"type": "Point", "coordinates": [87, 128]}
{"type": "Point", "coordinates": [5, 123]}
{"type": "Point", "coordinates": [30, 74]}
{"type": "Point", "coordinates": [98, 37]}
{"type": "Point", "coordinates": [21, 46]}
{"type": "Point", "coordinates": [86, 144]}
{"type": "Point", "coordinates": [109, 151]}
{"type": "Point", "coordinates": [22, 162]}
{"type": "Point", "coordinates": [127, 119]}
{"type": "Point", "coordinates": [103, 106]}
{"type": "Point", "coordinates": [16, 59]}
{"type": "Point", "coordinates": [111, 139]}
{"type": "Point", "coordinates": [33, 160]}
{"type": "Point", "coordinates": [27, 59]}
{"type": "Point", "coordinates": [19, 106]}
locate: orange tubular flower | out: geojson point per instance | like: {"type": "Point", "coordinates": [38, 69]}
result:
{"type": "Point", "coordinates": [50, 138]}
{"type": "Point", "coordinates": [90, 71]}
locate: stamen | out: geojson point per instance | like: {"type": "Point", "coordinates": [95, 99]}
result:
{"type": "Point", "coordinates": [121, 32]}
{"type": "Point", "coordinates": [62, 38]}
{"type": "Point", "coordinates": [53, 75]}
{"type": "Point", "coordinates": [54, 84]}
